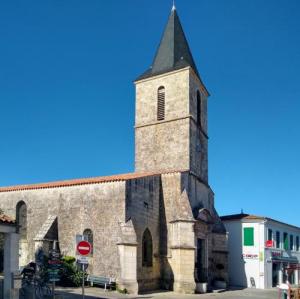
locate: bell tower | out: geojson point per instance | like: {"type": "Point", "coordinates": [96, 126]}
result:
{"type": "Point", "coordinates": [171, 109]}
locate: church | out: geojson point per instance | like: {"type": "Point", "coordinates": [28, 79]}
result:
{"type": "Point", "coordinates": [155, 228]}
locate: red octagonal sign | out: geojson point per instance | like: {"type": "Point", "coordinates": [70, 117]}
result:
{"type": "Point", "coordinates": [84, 248]}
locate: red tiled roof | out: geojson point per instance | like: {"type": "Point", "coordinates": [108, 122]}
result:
{"type": "Point", "coordinates": [85, 181]}
{"type": "Point", "coordinates": [6, 219]}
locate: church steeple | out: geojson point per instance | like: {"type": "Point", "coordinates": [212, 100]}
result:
{"type": "Point", "coordinates": [171, 109]}
{"type": "Point", "coordinates": [173, 52]}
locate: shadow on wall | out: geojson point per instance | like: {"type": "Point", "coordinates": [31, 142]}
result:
{"type": "Point", "coordinates": [237, 273]}
{"type": "Point", "coordinates": [167, 275]}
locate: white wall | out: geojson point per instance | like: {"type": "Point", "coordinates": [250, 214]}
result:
{"type": "Point", "coordinates": [236, 268]}
{"type": "Point", "coordinates": [255, 261]}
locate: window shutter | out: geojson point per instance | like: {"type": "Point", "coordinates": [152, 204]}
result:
{"type": "Point", "coordinates": [248, 236]}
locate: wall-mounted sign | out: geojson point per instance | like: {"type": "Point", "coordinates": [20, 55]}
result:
{"type": "Point", "coordinates": [261, 256]}
{"type": "Point", "coordinates": [250, 256]}
{"type": "Point", "coordinates": [269, 243]}
{"type": "Point", "coordinates": [276, 253]}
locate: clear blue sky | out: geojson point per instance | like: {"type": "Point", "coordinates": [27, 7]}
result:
{"type": "Point", "coordinates": [67, 98]}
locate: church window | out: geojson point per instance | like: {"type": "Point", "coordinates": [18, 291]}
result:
{"type": "Point", "coordinates": [161, 103]}
{"type": "Point", "coordinates": [21, 218]}
{"type": "Point", "coordinates": [198, 109]}
{"type": "Point", "coordinates": [88, 236]}
{"type": "Point", "coordinates": [147, 249]}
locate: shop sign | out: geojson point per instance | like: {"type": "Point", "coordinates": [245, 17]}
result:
{"type": "Point", "coordinates": [250, 256]}
{"type": "Point", "coordinates": [276, 253]}
{"type": "Point", "coordinates": [269, 243]}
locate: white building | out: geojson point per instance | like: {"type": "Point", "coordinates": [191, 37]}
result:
{"type": "Point", "coordinates": [260, 249]}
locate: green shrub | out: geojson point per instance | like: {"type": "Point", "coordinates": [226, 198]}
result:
{"type": "Point", "coordinates": [70, 275]}
{"type": "Point", "coordinates": [122, 291]}
{"type": "Point", "coordinates": [68, 259]}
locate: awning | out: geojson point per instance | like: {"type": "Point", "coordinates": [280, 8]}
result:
{"type": "Point", "coordinates": [291, 260]}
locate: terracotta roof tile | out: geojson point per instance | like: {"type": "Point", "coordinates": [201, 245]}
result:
{"type": "Point", "coordinates": [6, 219]}
{"type": "Point", "coordinates": [86, 181]}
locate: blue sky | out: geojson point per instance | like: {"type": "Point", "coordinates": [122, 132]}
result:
{"type": "Point", "coordinates": [67, 97]}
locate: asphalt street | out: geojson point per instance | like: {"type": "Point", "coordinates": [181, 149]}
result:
{"type": "Point", "coordinates": [98, 293]}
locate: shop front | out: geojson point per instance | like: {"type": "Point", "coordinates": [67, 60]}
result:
{"type": "Point", "coordinates": [284, 269]}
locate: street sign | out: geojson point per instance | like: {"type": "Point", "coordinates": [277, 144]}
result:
{"type": "Point", "coordinates": [83, 260]}
{"type": "Point", "coordinates": [269, 243]}
{"type": "Point", "coordinates": [84, 248]}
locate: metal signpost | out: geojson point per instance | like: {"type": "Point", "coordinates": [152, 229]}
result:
{"type": "Point", "coordinates": [84, 248]}
{"type": "Point", "coordinates": [54, 265]}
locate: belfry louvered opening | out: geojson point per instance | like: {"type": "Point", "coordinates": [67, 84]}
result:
{"type": "Point", "coordinates": [161, 103]}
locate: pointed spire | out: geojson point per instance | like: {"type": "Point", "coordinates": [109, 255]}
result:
{"type": "Point", "coordinates": [173, 7]}
{"type": "Point", "coordinates": [173, 51]}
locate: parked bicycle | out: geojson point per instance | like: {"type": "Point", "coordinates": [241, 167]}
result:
{"type": "Point", "coordinates": [32, 282]}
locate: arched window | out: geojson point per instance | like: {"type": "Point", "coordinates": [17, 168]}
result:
{"type": "Point", "coordinates": [21, 218]}
{"type": "Point", "coordinates": [198, 109]}
{"type": "Point", "coordinates": [147, 249]}
{"type": "Point", "coordinates": [161, 103]}
{"type": "Point", "coordinates": [88, 236]}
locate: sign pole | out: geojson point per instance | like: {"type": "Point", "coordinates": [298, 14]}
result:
{"type": "Point", "coordinates": [83, 281]}
{"type": "Point", "coordinates": [84, 249]}
{"type": "Point", "coordinates": [53, 289]}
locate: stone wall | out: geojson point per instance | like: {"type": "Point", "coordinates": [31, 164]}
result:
{"type": "Point", "coordinates": [99, 207]}
{"type": "Point", "coordinates": [163, 144]}
{"type": "Point", "coordinates": [198, 135]}
{"type": "Point", "coordinates": [142, 206]}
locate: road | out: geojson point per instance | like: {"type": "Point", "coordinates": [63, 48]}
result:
{"type": "Point", "coordinates": [97, 293]}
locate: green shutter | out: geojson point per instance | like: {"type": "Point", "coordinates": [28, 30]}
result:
{"type": "Point", "coordinates": [248, 236]}
{"type": "Point", "coordinates": [286, 241]}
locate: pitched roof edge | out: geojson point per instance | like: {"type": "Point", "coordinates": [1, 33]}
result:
{"type": "Point", "coordinates": [86, 181]}
{"type": "Point", "coordinates": [4, 219]}
{"type": "Point", "coordinates": [253, 217]}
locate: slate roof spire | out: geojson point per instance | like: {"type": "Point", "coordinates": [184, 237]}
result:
{"type": "Point", "coordinates": [173, 52]}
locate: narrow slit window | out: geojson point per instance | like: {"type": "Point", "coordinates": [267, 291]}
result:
{"type": "Point", "coordinates": [161, 103]}
{"type": "Point", "coordinates": [147, 249]}
{"type": "Point", "coordinates": [198, 109]}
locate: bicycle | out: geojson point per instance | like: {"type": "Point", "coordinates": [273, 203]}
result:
{"type": "Point", "coordinates": [33, 282]}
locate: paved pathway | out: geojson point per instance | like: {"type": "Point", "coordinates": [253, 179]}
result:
{"type": "Point", "coordinates": [97, 293]}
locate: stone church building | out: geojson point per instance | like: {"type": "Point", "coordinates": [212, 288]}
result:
{"type": "Point", "coordinates": [156, 227]}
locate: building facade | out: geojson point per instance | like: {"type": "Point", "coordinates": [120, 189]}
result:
{"type": "Point", "coordinates": [9, 254]}
{"type": "Point", "coordinates": [263, 252]}
{"type": "Point", "coordinates": [154, 228]}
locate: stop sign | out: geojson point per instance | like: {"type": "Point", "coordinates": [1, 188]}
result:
{"type": "Point", "coordinates": [84, 248]}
